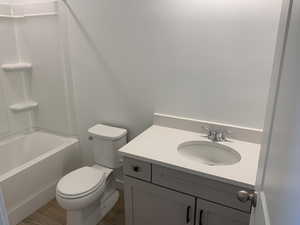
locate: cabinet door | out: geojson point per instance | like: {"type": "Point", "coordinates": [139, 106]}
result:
{"type": "Point", "coordinates": [148, 204]}
{"type": "Point", "coordinates": [209, 213]}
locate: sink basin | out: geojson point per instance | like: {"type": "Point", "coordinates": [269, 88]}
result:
{"type": "Point", "coordinates": [209, 153]}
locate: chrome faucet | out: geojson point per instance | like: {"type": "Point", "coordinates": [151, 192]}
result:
{"type": "Point", "coordinates": [215, 135]}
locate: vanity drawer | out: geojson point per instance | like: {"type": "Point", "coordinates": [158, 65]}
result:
{"type": "Point", "coordinates": [137, 169]}
{"type": "Point", "coordinates": [214, 191]}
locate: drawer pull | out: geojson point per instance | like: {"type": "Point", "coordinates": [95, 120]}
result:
{"type": "Point", "coordinates": [200, 217]}
{"type": "Point", "coordinates": [188, 219]}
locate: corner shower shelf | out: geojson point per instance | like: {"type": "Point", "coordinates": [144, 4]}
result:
{"type": "Point", "coordinates": [16, 66]}
{"type": "Point", "coordinates": [21, 10]}
{"type": "Point", "coordinates": [24, 106]}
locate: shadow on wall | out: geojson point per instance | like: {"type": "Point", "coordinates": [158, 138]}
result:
{"type": "Point", "coordinates": [125, 102]}
{"type": "Point", "coordinates": [107, 102]}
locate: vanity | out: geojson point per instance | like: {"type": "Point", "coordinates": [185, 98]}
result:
{"type": "Point", "coordinates": [178, 176]}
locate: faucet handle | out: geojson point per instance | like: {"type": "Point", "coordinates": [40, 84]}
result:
{"type": "Point", "coordinates": [208, 131]}
{"type": "Point", "coordinates": [211, 133]}
{"type": "Point", "coordinates": [224, 134]}
{"type": "Point", "coordinates": [220, 136]}
{"type": "Point", "coordinates": [206, 128]}
{"type": "Point", "coordinates": [227, 133]}
{"type": "Point", "coordinates": [217, 134]}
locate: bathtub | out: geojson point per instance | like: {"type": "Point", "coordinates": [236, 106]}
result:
{"type": "Point", "coordinates": [30, 166]}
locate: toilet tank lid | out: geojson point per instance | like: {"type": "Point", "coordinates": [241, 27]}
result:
{"type": "Point", "coordinates": [107, 132]}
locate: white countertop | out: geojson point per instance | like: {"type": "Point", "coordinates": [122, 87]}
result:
{"type": "Point", "coordinates": [158, 145]}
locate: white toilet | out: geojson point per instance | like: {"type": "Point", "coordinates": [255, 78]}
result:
{"type": "Point", "coordinates": [89, 193]}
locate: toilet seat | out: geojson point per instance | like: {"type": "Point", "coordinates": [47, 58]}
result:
{"type": "Point", "coordinates": [80, 183]}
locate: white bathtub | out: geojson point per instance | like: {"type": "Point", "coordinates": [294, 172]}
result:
{"type": "Point", "coordinates": [30, 166]}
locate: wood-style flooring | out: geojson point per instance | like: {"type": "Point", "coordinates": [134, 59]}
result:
{"type": "Point", "coordinates": [53, 214]}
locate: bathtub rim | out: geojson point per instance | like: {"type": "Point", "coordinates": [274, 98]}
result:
{"type": "Point", "coordinates": [68, 142]}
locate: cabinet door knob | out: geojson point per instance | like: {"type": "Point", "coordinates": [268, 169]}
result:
{"type": "Point", "coordinates": [136, 169]}
{"type": "Point", "coordinates": [245, 196]}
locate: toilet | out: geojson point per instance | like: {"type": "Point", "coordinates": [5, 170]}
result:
{"type": "Point", "coordinates": [89, 193]}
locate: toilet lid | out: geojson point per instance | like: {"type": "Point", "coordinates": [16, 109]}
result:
{"type": "Point", "coordinates": [81, 182]}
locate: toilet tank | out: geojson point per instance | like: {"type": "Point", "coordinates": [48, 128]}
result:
{"type": "Point", "coordinates": [106, 142]}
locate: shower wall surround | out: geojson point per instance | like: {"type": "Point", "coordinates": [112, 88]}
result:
{"type": "Point", "coordinates": [12, 87]}
{"type": "Point", "coordinates": [38, 97]}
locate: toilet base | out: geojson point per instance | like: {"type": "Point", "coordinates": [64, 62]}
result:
{"type": "Point", "coordinates": [94, 213]}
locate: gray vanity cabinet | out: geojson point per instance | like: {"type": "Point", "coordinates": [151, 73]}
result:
{"type": "Point", "coordinates": [209, 213]}
{"type": "Point", "coordinates": [155, 195]}
{"type": "Point", "coordinates": [148, 204]}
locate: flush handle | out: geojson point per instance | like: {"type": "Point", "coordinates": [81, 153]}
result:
{"type": "Point", "coordinates": [246, 196]}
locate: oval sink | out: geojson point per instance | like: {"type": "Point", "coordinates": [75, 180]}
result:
{"type": "Point", "coordinates": [209, 153]}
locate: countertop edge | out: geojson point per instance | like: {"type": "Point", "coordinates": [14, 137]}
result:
{"type": "Point", "coordinates": [186, 170]}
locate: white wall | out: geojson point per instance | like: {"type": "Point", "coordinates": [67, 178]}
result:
{"type": "Point", "coordinates": [203, 59]}
{"type": "Point", "coordinates": [281, 178]}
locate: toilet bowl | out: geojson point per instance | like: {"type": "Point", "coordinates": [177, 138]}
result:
{"type": "Point", "coordinates": [89, 193]}
{"type": "Point", "coordinates": [81, 187]}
